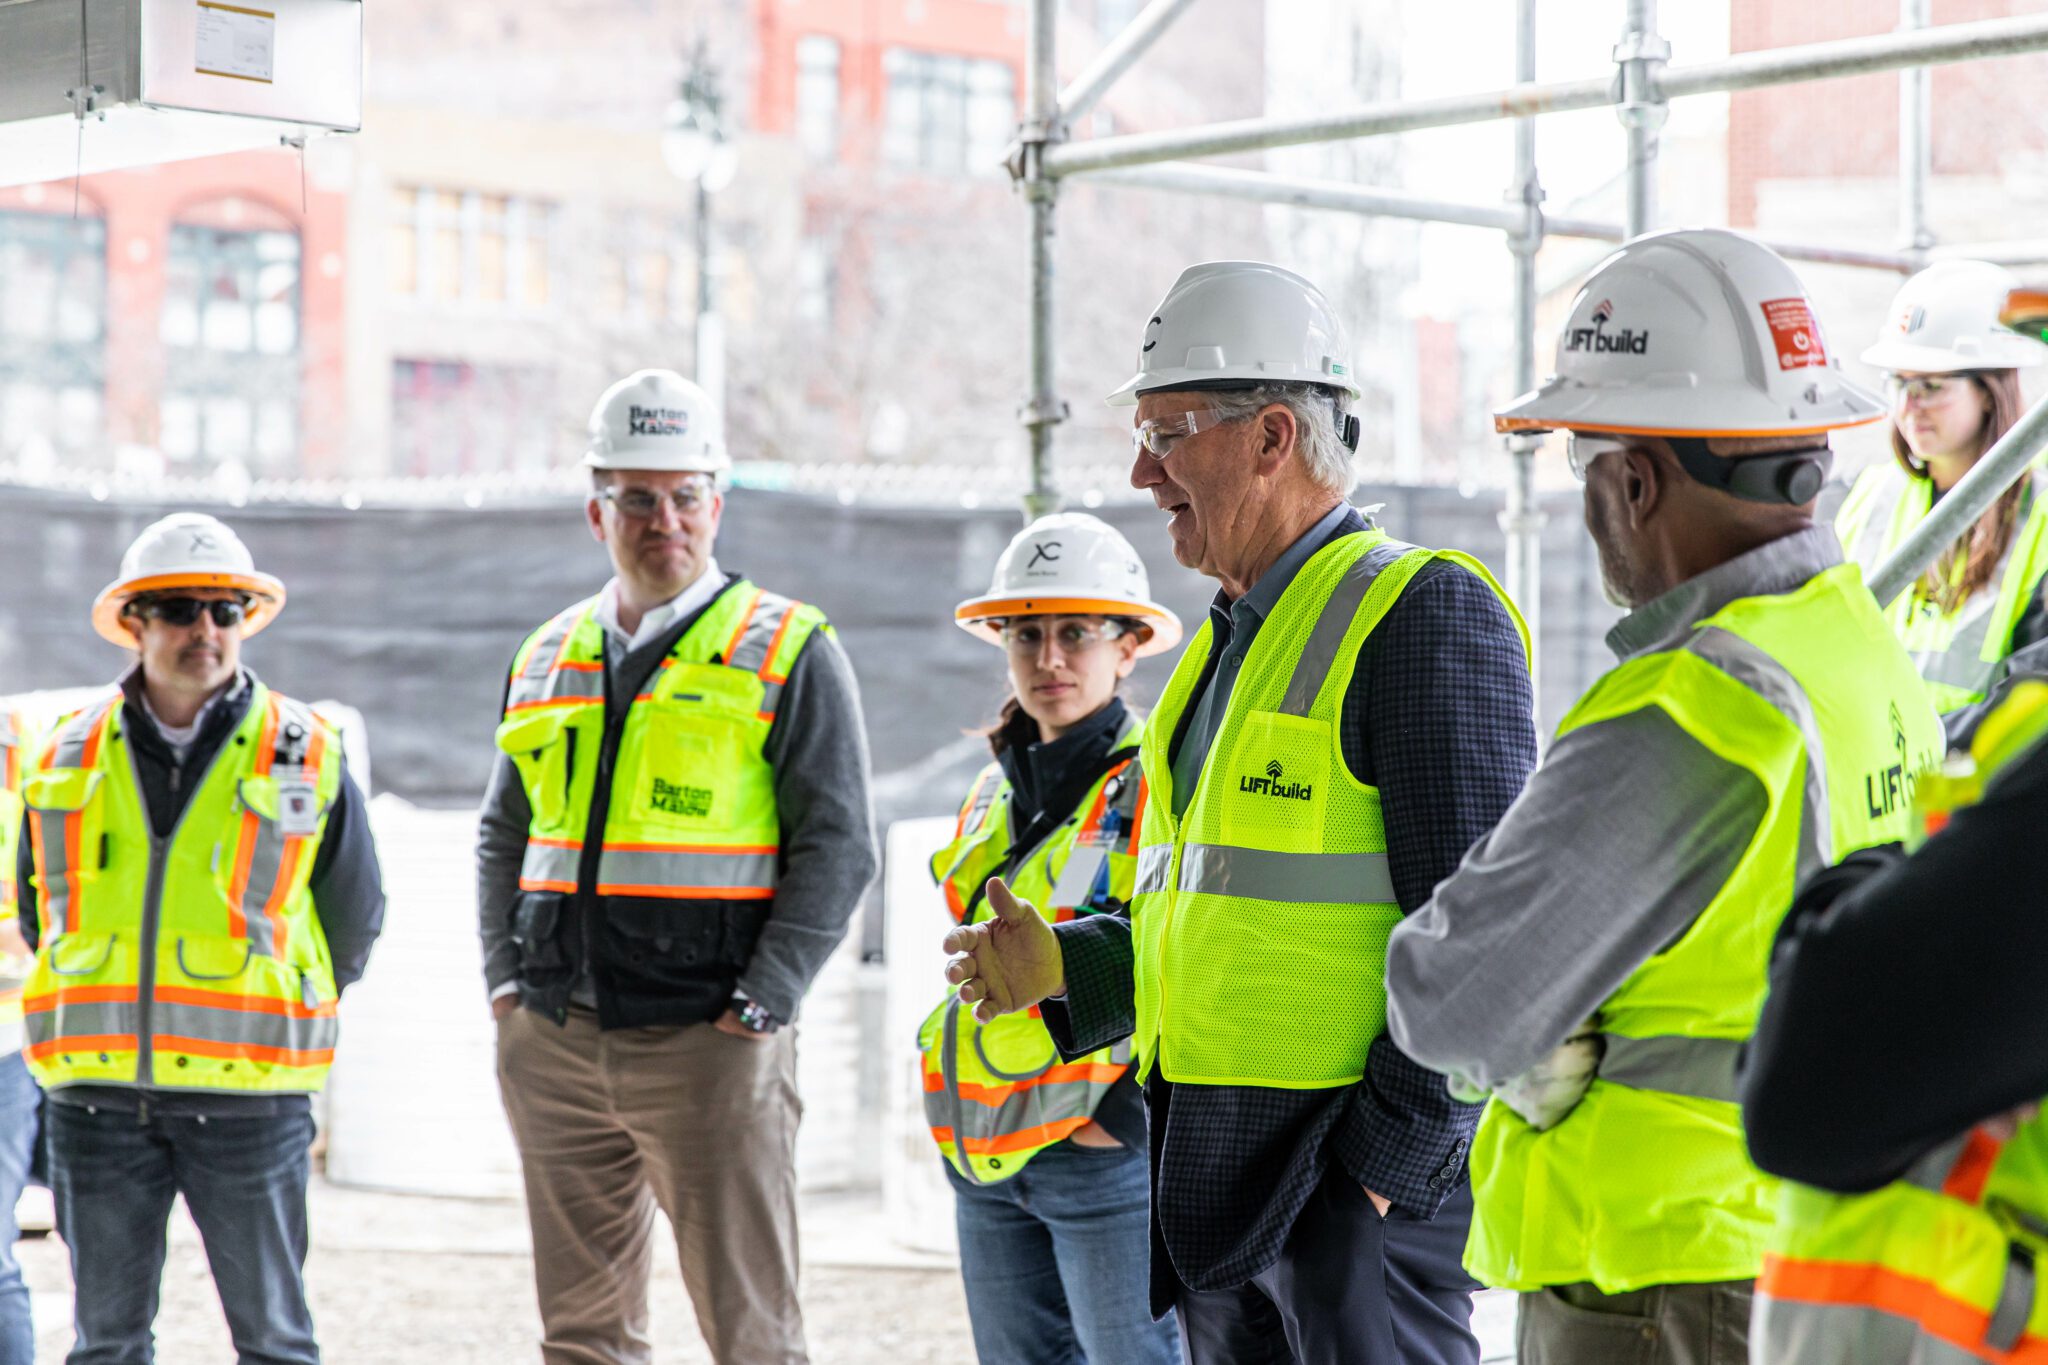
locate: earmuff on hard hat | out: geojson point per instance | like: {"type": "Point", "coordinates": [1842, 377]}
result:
{"type": "Point", "coordinates": [1792, 477]}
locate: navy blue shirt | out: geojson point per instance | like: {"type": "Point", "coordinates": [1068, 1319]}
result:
{"type": "Point", "coordinates": [1438, 717]}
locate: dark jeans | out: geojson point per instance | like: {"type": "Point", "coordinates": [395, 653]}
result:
{"type": "Point", "coordinates": [19, 1100]}
{"type": "Point", "coordinates": [1665, 1324]}
{"type": "Point", "coordinates": [244, 1181]}
{"type": "Point", "coordinates": [1054, 1261]}
{"type": "Point", "coordinates": [1350, 1288]}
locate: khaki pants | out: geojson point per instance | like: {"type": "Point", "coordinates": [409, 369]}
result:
{"type": "Point", "coordinates": [1665, 1324]}
{"type": "Point", "coordinates": [612, 1125]}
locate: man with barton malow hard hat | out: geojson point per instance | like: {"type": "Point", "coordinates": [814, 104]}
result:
{"type": "Point", "coordinates": [197, 877]}
{"type": "Point", "coordinates": [1598, 960]}
{"type": "Point", "coordinates": [1353, 713]}
{"type": "Point", "coordinates": [675, 837]}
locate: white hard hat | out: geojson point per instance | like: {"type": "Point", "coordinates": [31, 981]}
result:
{"type": "Point", "coordinates": [186, 550]}
{"type": "Point", "coordinates": [656, 419]}
{"type": "Point", "coordinates": [1070, 564]}
{"type": "Point", "coordinates": [1232, 324]}
{"type": "Point", "coordinates": [1693, 332]}
{"type": "Point", "coordinates": [1946, 319]}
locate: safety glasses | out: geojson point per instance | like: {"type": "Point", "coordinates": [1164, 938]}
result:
{"type": "Point", "coordinates": [1580, 451]}
{"type": "Point", "coordinates": [184, 611]}
{"type": "Point", "coordinates": [1027, 635]}
{"type": "Point", "coordinates": [642, 503]}
{"type": "Point", "coordinates": [1158, 436]}
{"type": "Point", "coordinates": [1921, 387]}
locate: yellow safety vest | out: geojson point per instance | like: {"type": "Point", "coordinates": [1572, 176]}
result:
{"type": "Point", "coordinates": [196, 961]}
{"type": "Point", "coordinates": [1648, 1181]}
{"type": "Point", "coordinates": [1938, 1268]}
{"type": "Point", "coordinates": [999, 1090]}
{"type": "Point", "coordinates": [1960, 653]}
{"type": "Point", "coordinates": [1262, 913]}
{"type": "Point", "coordinates": [17, 747]}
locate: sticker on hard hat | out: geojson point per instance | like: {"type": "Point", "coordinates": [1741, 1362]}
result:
{"type": "Point", "coordinates": [1596, 338]}
{"type": "Point", "coordinates": [657, 421]}
{"type": "Point", "coordinates": [1794, 333]}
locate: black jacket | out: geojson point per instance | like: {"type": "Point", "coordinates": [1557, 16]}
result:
{"type": "Point", "coordinates": [347, 884]}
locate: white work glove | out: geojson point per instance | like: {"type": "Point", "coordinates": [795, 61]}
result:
{"type": "Point", "coordinates": [1548, 1091]}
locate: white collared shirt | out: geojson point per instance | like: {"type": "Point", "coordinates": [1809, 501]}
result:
{"type": "Point", "coordinates": [656, 619]}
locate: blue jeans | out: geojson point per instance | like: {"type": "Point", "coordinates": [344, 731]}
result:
{"type": "Point", "coordinates": [19, 1100]}
{"type": "Point", "coordinates": [244, 1180]}
{"type": "Point", "coordinates": [1055, 1259]}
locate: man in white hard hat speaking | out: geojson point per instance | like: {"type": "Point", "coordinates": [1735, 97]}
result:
{"type": "Point", "coordinates": [675, 837]}
{"type": "Point", "coordinates": [197, 874]}
{"type": "Point", "coordinates": [1352, 715]}
{"type": "Point", "coordinates": [1598, 960]}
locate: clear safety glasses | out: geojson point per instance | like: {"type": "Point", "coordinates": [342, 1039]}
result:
{"type": "Point", "coordinates": [1026, 635]}
{"type": "Point", "coordinates": [642, 503]}
{"type": "Point", "coordinates": [1160, 435]}
{"type": "Point", "coordinates": [1580, 451]}
{"type": "Point", "coordinates": [1921, 387]}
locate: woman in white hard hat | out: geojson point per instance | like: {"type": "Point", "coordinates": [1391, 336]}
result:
{"type": "Point", "coordinates": [1047, 1157]}
{"type": "Point", "coordinates": [1953, 377]}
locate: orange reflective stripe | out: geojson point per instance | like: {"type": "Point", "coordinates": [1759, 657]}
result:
{"type": "Point", "coordinates": [544, 884]}
{"type": "Point", "coordinates": [80, 995]}
{"type": "Point", "coordinates": [240, 1004]}
{"type": "Point", "coordinates": [955, 906]}
{"type": "Point", "coordinates": [552, 701]}
{"type": "Point", "coordinates": [676, 893]}
{"type": "Point", "coordinates": [1849, 1284]}
{"type": "Point", "coordinates": [740, 632]}
{"type": "Point", "coordinates": [235, 1052]}
{"type": "Point", "coordinates": [775, 643]}
{"type": "Point", "coordinates": [689, 848]}
{"type": "Point", "coordinates": [245, 845]}
{"type": "Point", "coordinates": [1044, 1135]}
{"type": "Point", "coordinates": [579, 666]}
{"type": "Point", "coordinates": [993, 1095]}
{"type": "Point", "coordinates": [1967, 1178]}
{"type": "Point", "coordinates": [82, 1042]}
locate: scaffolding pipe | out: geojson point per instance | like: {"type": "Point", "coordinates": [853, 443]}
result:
{"type": "Point", "coordinates": [2023, 252]}
{"type": "Point", "coordinates": [1088, 88]}
{"type": "Point", "coordinates": [1640, 55]}
{"type": "Point", "coordinates": [2003, 465]}
{"type": "Point", "coordinates": [1521, 516]}
{"type": "Point", "coordinates": [1746, 71]}
{"type": "Point", "coordinates": [1043, 409]}
{"type": "Point", "coordinates": [1915, 150]}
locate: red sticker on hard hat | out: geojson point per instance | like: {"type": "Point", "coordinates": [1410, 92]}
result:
{"type": "Point", "coordinates": [1794, 333]}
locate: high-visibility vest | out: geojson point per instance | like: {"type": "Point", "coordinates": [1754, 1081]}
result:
{"type": "Point", "coordinates": [1648, 1181]}
{"type": "Point", "coordinates": [692, 814]}
{"type": "Point", "coordinates": [1939, 1266]}
{"type": "Point", "coordinates": [1262, 913]}
{"type": "Point", "coordinates": [1960, 653]}
{"type": "Point", "coordinates": [17, 747]}
{"type": "Point", "coordinates": [194, 961]}
{"type": "Point", "coordinates": [997, 1094]}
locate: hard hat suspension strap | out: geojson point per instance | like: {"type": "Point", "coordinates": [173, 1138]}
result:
{"type": "Point", "coordinates": [1790, 477]}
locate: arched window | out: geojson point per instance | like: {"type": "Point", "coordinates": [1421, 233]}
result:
{"type": "Point", "coordinates": [53, 324]}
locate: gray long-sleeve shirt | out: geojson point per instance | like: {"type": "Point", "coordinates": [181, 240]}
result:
{"type": "Point", "coordinates": [818, 750]}
{"type": "Point", "coordinates": [1624, 834]}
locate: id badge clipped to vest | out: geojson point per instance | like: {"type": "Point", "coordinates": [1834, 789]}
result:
{"type": "Point", "coordinates": [298, 805]}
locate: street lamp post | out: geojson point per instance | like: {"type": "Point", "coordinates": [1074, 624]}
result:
{"type": "Point", "coordinates": [699, 151]}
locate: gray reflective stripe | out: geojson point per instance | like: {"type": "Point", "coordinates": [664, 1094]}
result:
{"type": "Point", "coordinates": [751, 653]}
{"type": "Point", "coordinates": [1319, 655]}
{"type": "Point", "coordinates": [1931, 1172]}
{"type": "Point", "coordinates": [1703, 1068]}
{"type": "Point", "coordinates": [72, 739]}
{"type": "Point", "coordinates": [547, 863]}
{"type": "Point", "coordinates": [1962, 663]}
{"type": "Point", "coordinates": [82, 1019]}
{"type": "Point", "coordinates": [707, 870]}
{"type": "Point", "coordinates": [1155, 863]}
{"type": "Point", "coordinates": [578, 683]}
{"type": "Point", "coordinates": [1033, 1106]}
{"type": "Point", "coordinates": [2015, 1303]}
{"type": "Point", "coordinates": [1793, 1332]}
{"type": "Point", "coordinates": [254, 1028]}
{"type": "Point", "coordinates": [51, 831]}
{"type": "Point", "coordinates": [538, 680]}
{"type": "Point", "coordinates": [1261, 874]}
{"type": "Point", "coordinates": [1769, 679]}
{"type": "Point", "coordinates": [771, 698]}
{"type": "Point", "coordinates": [264, 864]}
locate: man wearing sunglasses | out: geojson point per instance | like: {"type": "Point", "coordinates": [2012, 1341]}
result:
{"type": "Point", "coordinates": [1597, 961]}
{"type": "Point", "coordinates": [197, 874]}
{"type": "Point", "coordinates": [1353, 714]}
{"type": "Point", "coordinates": [675, 837]}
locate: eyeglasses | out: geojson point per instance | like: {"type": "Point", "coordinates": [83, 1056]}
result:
{"type": "Point", "coordinates": [184, 611]}
{"type": "Point", "coordinates": [1581, 451]}
{"type": "Point", "coordinates": [1027, 636]}
{"type": "Point", "coordinates": [642, 503]}
{"type": "Point", "coordinates": [1899, 387]}
{"type": "Point", "coordinates": [1159, 436]}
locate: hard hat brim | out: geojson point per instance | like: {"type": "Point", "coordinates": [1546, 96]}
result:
{"type": "Point", "coordinates": [2015, 352]}
{"type": "Point", "coordinates": [1560, 405]}
{"type": "Point", "coordinates": [267, 592]}
{"type": "Point", "coordinates": [978, 616]}
{"type": "Point", "coordinates": [1195, 381]}
{"type": "Point", "coordinates": [718, 463]}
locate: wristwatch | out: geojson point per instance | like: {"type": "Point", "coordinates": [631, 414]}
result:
{"type": "Point", "coordinates": [755, 1015]}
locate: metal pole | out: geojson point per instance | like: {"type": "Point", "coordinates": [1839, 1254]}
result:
{"type": "Point", "coordinates": [1998, 253]}
{"type": "Point", "coordinates": [1915, 150]}
{"type": "Point", "coordinates": [1641, 54]}
{"type": "Point", "coordinates": [710, 340]}
{"type": "Point", "coordinates": [1521, 516]}
{"type": "Point", "coordinates": [1093, 83]}
{"type": "Point", "coordinates": [1745, 71]}
{"type": "Point", "coordinates": [1043, 409]}
{"type": "Point", "coordinates": [2004, 463]}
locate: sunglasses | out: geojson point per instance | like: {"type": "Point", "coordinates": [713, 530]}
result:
{"type": "Point", "coordinates": [184, 611]}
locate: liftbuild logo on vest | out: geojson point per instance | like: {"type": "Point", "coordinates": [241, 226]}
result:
{"type": "Point", "coordinates": [1273, 784]}
{"type": "Point", "coordinates": [675, 798]}
{"type": "Point", "coordinates": [1891, 788]}
{"type": "Point", "coordinates": [1627, 341]}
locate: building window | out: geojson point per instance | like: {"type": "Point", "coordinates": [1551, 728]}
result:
{"type": "Point", "coordinates": [53, 307]}
{"type": "Point", "coordinates": [647, 271]}
{"type": "Point", "coordinates": [465, 249]}
{"type": "Point", "coordinates": [817, 97]}
{"type": "Point", "coordinates": [230, 328]}
{"type": "Point", "coordinates": [453, 418]}
{"type": "Point", "coordinates": [947, 114]}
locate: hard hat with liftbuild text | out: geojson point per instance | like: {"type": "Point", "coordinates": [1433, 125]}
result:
{"type": "Point", "coordinates": [1070, 564]}
{"type": "Point", "coordinates": [657, 420]}
{"type": "Point", "coordinates": [186, 550]}
{"type": "Point", "coordinates": [1946, 320]}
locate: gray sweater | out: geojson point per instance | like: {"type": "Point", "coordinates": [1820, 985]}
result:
{"type": "Point", "coordinates": [819, 752]}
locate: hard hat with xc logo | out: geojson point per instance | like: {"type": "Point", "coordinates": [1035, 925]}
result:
{"type": "Point", "coordinates": [657, 420]}
{"type": "Point", "coordinates": [1070, 564]}
{"type": "Point", "coordinates": [186, 550]}
{"type": "Point", "coordinates": [1947, 319]}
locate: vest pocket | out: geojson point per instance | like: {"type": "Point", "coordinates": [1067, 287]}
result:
{"type": "Point", "coordinates": [1275, 789]}
{"type": "Point", "coordinates": [542, 745]}
{"type": "Point", "coordinates": [682, 776]}
{"type": "Point", "coordinates": [213, 959]}
{"type": "Point", "coordinates": [536, 932]}
{"type": "Point", "coordinates": [78, 954]}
